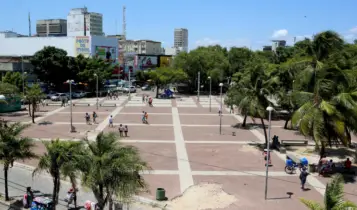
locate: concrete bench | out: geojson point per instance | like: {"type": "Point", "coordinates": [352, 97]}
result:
{"type": "Point", "coordinates": [108, 105]}
{"type": "Point", "coordinates": [81, 104]}
{"type": "Point", "coordinates": [294, 142]}
{"type": "Point", "coordinates": [282, 149]}
{"type": "Point", "coordinates": [53, 104]}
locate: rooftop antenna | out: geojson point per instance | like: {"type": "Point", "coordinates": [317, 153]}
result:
{"type": "Point", "coordinates": [29, 19]}
{"type": "Point", "coordinates": [124, 23]}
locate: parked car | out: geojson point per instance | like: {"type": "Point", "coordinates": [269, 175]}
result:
{"type": "Point", "coordinates": [78, 94]}
{"type": "Point", "coordinates": [59, 96]}
{"type": "Point", "coordinates": [146, 87]}
{"type": "Point", "coordinates": [132, 89]}
{"type": "Point", "coordinates": [50, 94]}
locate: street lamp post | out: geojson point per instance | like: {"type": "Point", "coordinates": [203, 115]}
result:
{"type": "Point", "coordinates": [210, 91]}
{"type": "Point", "coordinates": [269, 109]}
{"type": "Point", "coordinates": [96, 75]}
{"type": "Point", "coordinates": [220, 110]}
{"type": "Point", "coordinates": [198, 86]}
{"type": "Point", "coordinates": [129, 84]}
{"type": "Point", "coordinates": [71, 104]}
{"type": "Point", "coordinates": [23, 75]}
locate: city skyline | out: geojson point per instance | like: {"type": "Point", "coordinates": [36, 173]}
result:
{"type": "Point", "coordinates": [236, 23]}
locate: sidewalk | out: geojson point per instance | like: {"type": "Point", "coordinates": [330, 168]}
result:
{"type": "Point", "coordinates": [20, 178]}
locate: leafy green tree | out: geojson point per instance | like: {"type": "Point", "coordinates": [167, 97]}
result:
{"type": "Point", "coordinates": [13, 147]}
{"type": "Point", "coordinates": [141, 76]}
{"type": "Point", "coordinates": [51, 65]}
{"type": "Point", "coordinates": [238, 59]}
{"type": "Point", "coordinates": [59, 159]}
{"type": "Point", "coordinates": [7, 89]}
{"type": "Point", "coordinates": [112, 169]}
{"type": "Point", "coordinates": [90, 66]}
{"type": "Point", "coordinates": [34, 95]}
{"type": "Point", "coordinates": [14, 78]}
{"type": "Point", "coordinates": [164, 75]}
{"type": "Point", "coordinates": [333, 198]}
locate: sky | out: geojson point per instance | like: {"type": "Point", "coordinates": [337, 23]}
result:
{"type": "Point", "coordinates": [249, 23]}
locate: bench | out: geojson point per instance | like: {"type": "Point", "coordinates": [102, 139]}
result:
{"type": "Point", "coordinates": [294, 142]}
{"type": "Point", "coordinates": [53, 104]}
{"type": "Point", "coordinates": [107, 105]}
{"type": "Point", "coordinates": [81, 104]}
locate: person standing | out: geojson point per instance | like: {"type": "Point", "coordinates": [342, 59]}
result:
{"type": "Point", "coordinates": [126, 130]}
{"type": "Point", "coordinates": [303, 177]}
{"type": "Point", "coordinates": [121, 129]}
{"type": "Point", "coordinates": [94, 117]}
{"type": "Point", "coordinates": [111, 122]}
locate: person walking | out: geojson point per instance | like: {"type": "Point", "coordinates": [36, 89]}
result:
{"type": "Point", "coordinates": [94, 115]}
{"type": "Point", "coordinates": [87, 117]}
{"type": "Point", "coordinates": [111, 122]}
{"type": "Point", "coordinates": [121, 129]}
{"type": "Point", "coordinates": [303, 177]}
{"type": "Point", "coordinates": [126, 130]}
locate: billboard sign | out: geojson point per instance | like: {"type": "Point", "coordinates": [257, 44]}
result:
{"type": "Point", "coordinates": [82, 46]}
{"type": "Point", "coordinates": [106, 53]}
{"type": "Point", "coordinates": [165, 61]}
{"type": "Point", "coordinates": [146, 62]}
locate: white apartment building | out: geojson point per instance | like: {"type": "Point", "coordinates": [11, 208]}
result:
{"type": "Point", "coordinates": [51, 27]}
{"type": "Point", "coordinates": [172, 50]}
{"type": "Point", "coordinates": [147, 47]}
{"type": "Point", "coordinates": [77, 18]}
{"type": "Point", "coordinates": [181, 39]}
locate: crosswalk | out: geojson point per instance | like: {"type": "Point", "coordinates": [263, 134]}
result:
{"type": "Point", "coordinates": [185, 102]}
{"type": "Point", "coordinates": [205, 102]}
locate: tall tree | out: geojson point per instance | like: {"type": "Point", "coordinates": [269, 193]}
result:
{"type": "Point", "coordinates": [51, 65]}
{"type": "Point", "coordinates": [112, 169]}
{"type": "Point", "coordinates": [59, 157]}
{"type": "Point", "coordinates": [14, 78]}
{"type": "Point", "coordinates": [164, 75]}
{"type": "Point", "coordinates": [13, 147]}
{"type": "Point", "coordinates": [34, 95]}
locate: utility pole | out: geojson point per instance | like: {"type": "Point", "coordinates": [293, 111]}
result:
{"type": "Point", "coordinates": [85, 21]}
{"type": "Point", "coordinates": [198, 86]}
{"type": "Point", "coordinates": [29, 18]}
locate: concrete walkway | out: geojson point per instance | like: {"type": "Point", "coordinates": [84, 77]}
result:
{"type": "Point", "coordinates": [20, 178]}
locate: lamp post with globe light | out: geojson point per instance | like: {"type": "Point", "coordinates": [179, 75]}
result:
{"type": "Point", "coordinates": [269, 109]}
{"type": "Point", "coordinates": [220, 109]}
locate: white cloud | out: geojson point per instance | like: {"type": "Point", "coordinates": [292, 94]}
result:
{"type": "Point", "coordinates": [351, 34]}
{"type": "Point", "coordinates": [280, 33]}
{"type": "Point", "coordinates": [224, 43]}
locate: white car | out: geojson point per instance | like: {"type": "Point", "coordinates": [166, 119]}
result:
{"type": "Point", "coordinates": [78, 94]}
{"type": "Point", "coordinates": [59, 97]}
{"type": "Point", "coordinates": [50, 94]}
{"type": "Point", "coordinates": [132, 89]}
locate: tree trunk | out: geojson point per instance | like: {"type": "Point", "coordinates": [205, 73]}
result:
{"type": "Point", "coordinates": [244, 121]}
{"type": "Point", "coordinates": [110, 203]}
{"type": "Point", "coordinates": [58, 187]}
{"type": "Point", "coordinates": [265, 131]}
{"type": "Point", "coordinates": [322, 151]}
{"type": "Point", "coordinates": [6, 169]}
{"type": "Point", "coordinates": [157, 91]}
{"type": "Point", "coordinates": [286, 123]}
{"type": "Point", "coordinates": [29, 109]}
{"type": "Point", "coordinates": [33, 112]}
{"type": "Point", "coordinates": [348, 134]}
{"type": "Point", "coordinates": [54, 192]}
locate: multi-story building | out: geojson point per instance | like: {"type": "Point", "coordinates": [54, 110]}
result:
{"type": "Point", "coordinates": [278, 43]}
{"type": "Point", "coordinates": [181, 39]}
{"type": "Point", "coordinates": [51, 27]}
{"type": "Point", "coordinates": [80, 22]}
{"type": "Point", "coordinates": [143, 47]}
{"type": "Point", "coordinates": [118, 36]}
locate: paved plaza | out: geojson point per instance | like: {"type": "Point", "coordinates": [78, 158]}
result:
{"type": "Point", "coordinates": [183, 145]}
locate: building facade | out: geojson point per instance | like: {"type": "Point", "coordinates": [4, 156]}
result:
{"type": "Point", "coordinates": [89, 46]}
{"type": "Point", "coordinates": [51, 27]}
{"type": "Point", "coordinates": [181, 39]}
{"type": "Point", "coordinates": [278, 43]}
{"type": "Point", "coordinates": [80, 22]}
{"type": "Point", "coordinates": [144, 47]}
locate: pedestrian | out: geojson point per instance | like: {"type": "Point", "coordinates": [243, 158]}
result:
{"type": "Point", "coordinates": [63, 101]}
{"type": "Point", "coordinates": [121, 129]}
{"type": "Point", "coordinates": [150, 102]}
{"type": "Point", "coordinates": [111, 122]}
{"type": "Point", "coordinates": [126, 130]}
{"type": "Point", "coordinates": [143, 117]}
{"type": "Point", "coordinates": [94, 117]}
{"type": "Point", "coordinates": [143, 98]}
{"type": "Point", "coordinates": [220, 111]}
{"type": "Point", "coordinates": [146, 118]}
{"type": "Point", "coordinates": [303, 177]}
{"type": "Point", "coordinates": [87, 117]}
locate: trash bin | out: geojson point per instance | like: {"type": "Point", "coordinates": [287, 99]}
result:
{"type": "Point", "coordinates": [312, 168]}
{"type": "Point", "coordinates": [160, 194]}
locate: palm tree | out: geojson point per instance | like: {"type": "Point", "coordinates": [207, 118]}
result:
{"type": "Point", "coordinates": [250, 93]}
{"type": "Point", "coordinates": [333, 198]}
{"type": "Point", "coordinates": [112, 169]}
{"type": "Point", "coordinates": [13, 147]}
{"type": "Point", "coordinates": [33, 96]}
{"type": "Point", "coordinates": [60, 158]}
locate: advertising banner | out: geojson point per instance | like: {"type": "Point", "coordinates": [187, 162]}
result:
{"type": "Point", "coordinates": [165, 61]}
{"type": "Point", "coordinates": [82, 46]}
{"type": "Point", "coordinates": [106, 53]}
{"type": "Point", "coordinates": [147, 62]}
